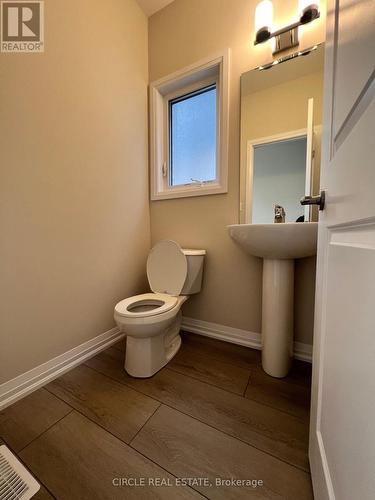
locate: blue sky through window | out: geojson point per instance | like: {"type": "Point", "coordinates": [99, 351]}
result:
{"type": "Point", "coordinates": [193, 138]}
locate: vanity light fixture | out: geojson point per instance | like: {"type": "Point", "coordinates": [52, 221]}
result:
{"type": "Point", "coordinates": [263, 21]}
{"type": "Point", "coordinates": [287, 37]}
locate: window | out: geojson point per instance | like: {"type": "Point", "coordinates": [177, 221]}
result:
{"type": "Point", "coordinates": [192, 137]}
{"type": "Point", "coordinates": [189, 131]}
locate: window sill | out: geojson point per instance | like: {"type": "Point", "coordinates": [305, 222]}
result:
{"type": "Point", "coordinates": [189, 191]}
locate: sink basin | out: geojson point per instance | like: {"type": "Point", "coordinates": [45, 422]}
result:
{"type": "Point", "coordinates": [278, 245]}
{"type": "Point", "coordinates": [292, 240]}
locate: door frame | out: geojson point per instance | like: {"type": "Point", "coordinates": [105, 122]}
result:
{"type": "Point", "coordinates": [250, 146]}
{"type": "Point", "coordinates": [317, 456]}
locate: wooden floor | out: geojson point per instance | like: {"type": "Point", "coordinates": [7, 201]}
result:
{"type": "Point", "coordinates": [212, 414]}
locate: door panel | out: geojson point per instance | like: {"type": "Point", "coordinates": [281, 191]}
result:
{"type": "Point", "coordinates": [355, 49]}
{"type": "Point", "coordinates": [351, 173]}
{"type": "Point", "coordinates": [348, 387]}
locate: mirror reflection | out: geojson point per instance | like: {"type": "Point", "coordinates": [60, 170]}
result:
{"type": "Point", "coordinates": [281, 117]}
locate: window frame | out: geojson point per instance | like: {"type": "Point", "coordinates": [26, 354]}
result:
{"type": "Point", "coordinates": [199, 86]}
{"type": "Point", "coordinates": [208, 72]}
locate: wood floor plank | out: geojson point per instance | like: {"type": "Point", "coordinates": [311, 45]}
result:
{"type": "Point", "coordinates": [188, 448]}
{"type": "Point", "coordinates": [78, 460]}
{"type": "Point", "coordinates": [114, 406]}
{"type": "Point", "coordinates": [237, 355]}
{"type": "Point", "coordinates": [28, 418]}
{"type": "Point", "coordinates": [121, 345]}
{"type": "Point", "coordinates": [214, 371]}
{"type": "Point", "coordinates": [300, 373]}
{"type": "Point", "coordinates": [268, 429]}
{"type": "Point", "coordinates": [285, 394]}
{"type": "Point", "coordinates": [43, 494]}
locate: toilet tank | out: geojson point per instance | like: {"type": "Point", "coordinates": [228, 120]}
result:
{"type": "Point", "coordinates": [193, 282]}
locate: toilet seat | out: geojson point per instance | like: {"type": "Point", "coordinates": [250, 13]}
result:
{"type": "Point", "coordinates": [167, 302]}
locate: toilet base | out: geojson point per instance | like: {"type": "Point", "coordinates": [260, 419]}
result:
{"type": "Point", "coordinates": [146, 356]}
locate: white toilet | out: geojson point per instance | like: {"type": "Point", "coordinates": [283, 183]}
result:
{"type": "Point", "coordinates": [152, 321]}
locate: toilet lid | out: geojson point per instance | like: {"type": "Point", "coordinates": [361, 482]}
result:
{"type": "Point", "coordinates": [167, 268]}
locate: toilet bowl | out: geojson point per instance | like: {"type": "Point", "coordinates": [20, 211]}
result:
{"type": "Point", "coordinates": [152, 321]}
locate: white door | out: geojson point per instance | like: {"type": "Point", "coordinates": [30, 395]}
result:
{"type": "Point", "coordinates": [342, 432]}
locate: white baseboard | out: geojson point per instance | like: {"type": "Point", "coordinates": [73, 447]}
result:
{"type": "Point", "coordinates": [237, 336]}
{"type": "Point", "coordinates": [303, 351]}
{"type": "Point", "coordinates": [24, 384]}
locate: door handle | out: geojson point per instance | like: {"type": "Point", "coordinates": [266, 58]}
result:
{"type": "Point", "coordinates": [315, 200]}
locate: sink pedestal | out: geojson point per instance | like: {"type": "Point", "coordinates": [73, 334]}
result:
{"type": "Point", "coordinates": [278, 245]}
{"type": "Point", "coordinates": [277, 316]}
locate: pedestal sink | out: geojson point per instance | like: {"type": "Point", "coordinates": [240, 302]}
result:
{"type": "Point", "coordinates": [278, 245]}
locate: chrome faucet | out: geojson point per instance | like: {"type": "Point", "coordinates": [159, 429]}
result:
{"type": "Point", "coordinates": [279, 214]}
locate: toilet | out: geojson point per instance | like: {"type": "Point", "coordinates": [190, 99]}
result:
{"type": "Point", "coordinates": [152, 321]}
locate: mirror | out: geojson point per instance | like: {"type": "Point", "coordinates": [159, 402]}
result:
{"type": "Point", "coordinates": [281, 117]}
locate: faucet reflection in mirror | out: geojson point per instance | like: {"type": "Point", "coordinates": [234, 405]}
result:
{"type": "Point", "coordinates": [279, 214]}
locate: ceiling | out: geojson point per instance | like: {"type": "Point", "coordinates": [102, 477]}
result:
{"type": "Point", "coordinates": [149, 7]}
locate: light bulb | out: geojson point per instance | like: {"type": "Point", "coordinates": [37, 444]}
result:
{"type": "Point", "coordinates": [308, 10]}
{"type": "Point", "coordinates": [263, 20]}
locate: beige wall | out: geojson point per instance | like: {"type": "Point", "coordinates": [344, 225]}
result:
{"type": "Point", "coordinates": [74, 215]}
{"type": "Point", "coordinates": [180, 34]}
